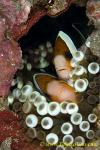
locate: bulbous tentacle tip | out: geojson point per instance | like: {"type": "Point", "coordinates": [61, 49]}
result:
{"type": "Point", "coordinates": [56, 90]}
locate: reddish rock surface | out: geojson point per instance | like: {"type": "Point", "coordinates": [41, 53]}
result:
{"type": "Point", "coordinates": [93, 12]}
{"type": "Point", "coordinates": [12, 13]}
{"type": "Point", "coordinates": [10, 59]}
{"type": "Point", "coordinates": [10, 128]}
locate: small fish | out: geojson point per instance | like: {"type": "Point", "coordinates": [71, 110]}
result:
{"type": "Point", "coordinates": [63, 45]}
{"type": "Point", "coordinates": [56, 90]}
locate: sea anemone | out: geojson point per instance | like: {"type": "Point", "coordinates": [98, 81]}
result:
{"type": "Point", "coordinates": [79, 140]}
{"type": "Point", "coordinates": [80, 85]}
{"type": "Point", "coordinates": [52, 138]}
{"type": "Point", "coordinates": [90, 134]}
{"type": "Point", "coordinates": [47, 123]}
{"type": "Point", "coordinates": [76, 118]}
{"type": "Point", "coordinates": [84, 126]}
{"type": "Point", "coordinates": [31, 120]}
{"type": "Point", "coordinates": [66, 128]}
{"type": "Point", "coordinates": [93, 68]}
{"type": "Point", "coordinates": [68, 140]}
{"type": "Point", "coordinates": [66, 116]}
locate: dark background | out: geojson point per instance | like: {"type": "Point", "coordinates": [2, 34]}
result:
{"type": "Point", "coordinates": [47, 28]}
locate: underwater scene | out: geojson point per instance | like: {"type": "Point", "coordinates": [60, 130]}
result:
{"type": "Point", "coordinates": [49, 74]}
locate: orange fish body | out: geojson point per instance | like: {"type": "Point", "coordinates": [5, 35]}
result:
{"type": "Point", "coordinates": [56, 90]}
{"type": "Point", "coordinates": [61, 61]}
{"type": "Point", "coordinates": [59, 90]}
